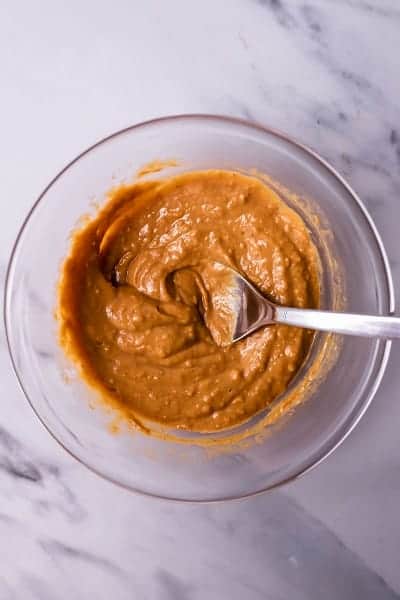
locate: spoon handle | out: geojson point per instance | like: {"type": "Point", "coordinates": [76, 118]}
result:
{"type": "Point", "coordinates": [362, 325]}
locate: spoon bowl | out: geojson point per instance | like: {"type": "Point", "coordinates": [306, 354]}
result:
{"type": "Point", "coordinates": [252, 310]}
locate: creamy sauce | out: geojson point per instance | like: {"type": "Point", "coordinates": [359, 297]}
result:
{"type": "Point", "coordinates": [140, 278]}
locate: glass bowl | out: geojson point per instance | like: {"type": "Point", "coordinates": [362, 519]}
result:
{"type": "Point", "coordinates": [166, 468]}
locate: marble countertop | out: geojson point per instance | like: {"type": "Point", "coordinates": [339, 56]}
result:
{"type": "Point", "coordinates": [326, 72]}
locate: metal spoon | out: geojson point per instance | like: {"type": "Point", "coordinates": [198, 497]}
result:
{"type": "Point", "coordinates": [251, 310]}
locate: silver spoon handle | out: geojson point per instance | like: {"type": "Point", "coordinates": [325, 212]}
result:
{"type": "Point", "coordinates": [363, 325]}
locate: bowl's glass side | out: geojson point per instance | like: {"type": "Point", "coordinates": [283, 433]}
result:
{"type": "Point", "coordinates": [163, 468]}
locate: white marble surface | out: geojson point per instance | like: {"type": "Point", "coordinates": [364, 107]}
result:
{"type": "Point", "coordinates": [327, 72]}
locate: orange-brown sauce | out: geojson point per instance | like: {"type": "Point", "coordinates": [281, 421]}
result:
{"type": "Point", "coordinates": [133, 287]}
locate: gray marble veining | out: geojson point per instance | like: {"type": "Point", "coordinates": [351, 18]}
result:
{"type": "Point", "coordinates": [324, 72]}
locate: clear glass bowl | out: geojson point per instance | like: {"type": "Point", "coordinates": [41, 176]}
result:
{"type": "Point", "coordinates": [170, 469]}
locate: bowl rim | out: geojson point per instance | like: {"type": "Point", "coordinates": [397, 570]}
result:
{"type": "Point", "coordinates": [322, 453]}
